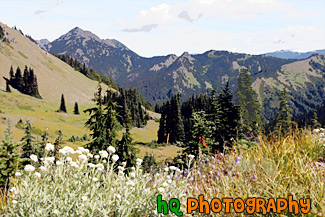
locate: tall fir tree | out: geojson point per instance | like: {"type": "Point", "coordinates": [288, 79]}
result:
{"type": "Point", "coordinates": [9, 159]}
{"type": "Point", "coordinates": [284, 115]}
{"type": "Point", "coordinates": [62, 105]}
{"type": "Point", "coordinates": [162, 131]}
{"type": "Point", "coordinates": [176, 126]}
{"type": "Point", "coordinates": [126, 150]}
{"type": "Point", "coordinates": [247, 99]}
{"type": "Point", "coordinates": [76, 109]}
{"type": "Point", "coordinates": [8, 90]}
{"type": "Point", "coordinates": [110, 120]}
{"type": "Point", "coordinates": [57, 145]}
{"type": "Point", "coordinates": [27, 148]}
{"type": "Point", "coordinates": [19, 81]}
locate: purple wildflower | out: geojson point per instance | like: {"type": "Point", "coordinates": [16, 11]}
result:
{"type": "Point", "coordinates": [254, 176]}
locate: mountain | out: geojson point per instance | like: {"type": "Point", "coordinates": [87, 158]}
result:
{"type": "Point", "coordinates": [157, 78]}
{"type": "Point", "coordinates": [287, 54]}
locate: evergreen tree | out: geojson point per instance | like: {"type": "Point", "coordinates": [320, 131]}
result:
{"type": "Point", "coordinates": [162, 131]}
{"type": "Point", "coordinates": [315, 122]}
{"type": "Point", "coordinates": [126, 150]}
{"type": "Point", "coordinates": [27, 148]}
{"type": "Point", "coordinates": [176, 126]}
{"type": "Point", "coordinates": [250, 109]}
{"type": "Point", "coordinates": [102, 122]}
{"type": "Point", "coordinates": [284, 116]}
{"type": "Point", "coordinates": [9, 160]}
{"type": "Point", "coordinates": [227, 126]}
{"type": "Point", "coordinates": [201, 134]}
{"type": "Point", "coordinates": [149, 163]}
{"type": "Point", "coordinates": [76, 109]}
{"type": "Point", "coordinates": [11, 74]}
{"type": "Point", "coordinates": [57, 145]}
{"type": "Point", "coordinates": [19, 81]}
{"type": "Point", "coordinates": [8, 87]}
{"type": "Point", "coordinates": [62, 105]}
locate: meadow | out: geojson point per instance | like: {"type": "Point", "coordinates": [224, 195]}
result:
{"type": "Point", "coordinates": [93, 185]}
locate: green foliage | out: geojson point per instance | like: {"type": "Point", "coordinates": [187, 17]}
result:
{"type": "Point", "coordinates": [126, 150]}
{"type": "Point", "coordinates": [201, 134]}
{"type": "Point", "coordinates": [102, 122]}
{"type": "Point", "coordinates": [57, 145]}
{"type": "Point", "coordinates": [9, 159]}
{"type": "Point", "coordinates": [76, 109]}
{"type": "Point", "coordinates": [26, 83]}
{"type": "Point", "coordinates": [62, 105]}
{"type": "Point", "coordinates": [283, 118]}
{"type": "Point", "coordinates": [150, 164]}
{"type": "Point", "coordinates": [315, 122]}
{"type": "Point", "coordinates": [29, 144]}
{"type": "Point", "coordinates": [247, 99]}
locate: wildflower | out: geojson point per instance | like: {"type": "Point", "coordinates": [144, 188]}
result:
{"type": "Point", "coordinates": [42, 168]}
{"type": "Point", "coordinates": [207, 160]}
{"type": "Point", "coordinates": [91, 165]}
{"type": "Point", "coordinates": [100, 166]}
{"type": "Point", "coordinates": [95, 179]}
{"type": "Point", "coordinates": [33, 157]}
{"type": "Point", "coordinates": [164, 184]}
{"type": "Point", "coordinates": [132, 168]}
{"type": "Point", "coordinates": [49, 147]}
{"type": "Point", "coordinates": [111, 149]}
{"type": "Point", "coordinates": [166, 169]}
{"type": "Point", "coordinates": [14, 201]}
{"type": "Point", "coordinates": [29, 168]}
{"type": "Point", "coordinates": [97, 156]}
{"type": "Point", "coordinates": [119, 196]}
{"type": "Point", "coordinates": [130, 183]}
{"type": "Point", "coordinates": [78, 152]}
{"type": "Point", "coordinates": [124, 164]}
{"type": "Point", "coordinates": [316, 130]}
{"type": "Point", "coordinates": [254, 176]}
{"type": "Point", "coordinates": [86, 150]}
{"type": "Point", "coordinates": [115, 157]}
{"type": "Point", "coordinates": [120, 168]}
{"type": "Point", "coordinates": [82, 149]}
{"type": "Point", "coordinates": [237, 160]}
{"type": "Point", "coordinates": [56, 211]}
{"type": "Point", "coordinates": [120, 172]}
{"type": "Point", "coordinates": [132, 175]}
{"type": "Point", "coordinates": [161, 190]}
{"type": "Point", "coordinates": [84, 198]}
{"type": "Point", "coordinates": [66, 150]}
{"type": "Point", "coordinates": [37, 174]}
{"type": "Point", "coordinates": [172, 168]}
{"type": "Point", "coordinates": [69, 159]}
{"type": "Point", "coordinates": [103, 154]}
{"type": "Point", "coordinates": [82, 157]}
{"type": "Point", "coordinates": [139, 160]}
{"type": "Point", "coordinates": [49, 160]}
{"type": "Point", "coordinates": [14, 190]}
{"type": "Point", "coordinates": [104, 161]}
{"type": "Point", "coordinates": [90, 155]}
{"type": "Point", "coordinates": [59, 163]}
{"type": "Point", "coordinates": [74, 164]}
{"type": "Point", "coordinates": [18, 174]}
{"type": "Point", "coordinates": [191, 156]}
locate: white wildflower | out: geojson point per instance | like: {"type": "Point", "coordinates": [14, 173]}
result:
{"type": "Point", "coordinates": [103, 154]}
{"type": "Point", "coordinates": [115, 157]}
{"type": "Point", "coordinates": [132, 175]}
{"type": "Point", "coordinates": [69, 159]}
{"type": "Point", "coordinates": [29, 168]}
{"type": "Point", "coordinates": [164, 184]}
{"type": "Point", "coordinates": [166, 169]}
{"type": "Point", "coordinates": [14, 201]}
{"type": "Point", "coordinates": [14, 190]}
{"type": "Point", "coordinates": [173, 168]}
{"type": "Point", "coordinates": [100, 166]}
{"type": "Point", "coordinates": [49, 147]}
{"type": "Point", "coordinates": [33, 157]}
{"type": "Point", "coordinates": [49, 160]}
{"type": "Point", "coordinates": [59, 163]}
{"type": "Point", "coordinates": [161, 190]}
{"type": "Point", "coordinates": [82, 149]}
{"type": "Point", "coordinates": [86, 151]}
{"type": "Point", "coordinates": [18, 174]}
{"type": "Point", "coordinates": [139, 160]}
{"type": "Point", "coordinates": [104, 161]}
{"type": "Point", "coordinates": [191, 156]}
{"type": "Point", "coordinates": [119, 196]}
{"type": "Point", "coordinates": [124, 164]}
{"type": "Point", "coordinates": [120, 168]}
{"type": "Point", "coordinates": [56, 211]}
{"type": "Point", "coordinates": [97, 156]}
{"type": "Point", "coordinates": [95, 179]}
{"type": "Point", "coordinates": [42, 168]}
{"type": "Point", "coordinates": [111, 149]}
{"type": "Point", "coordinates": [84, 198]}
{"type": "Point", "coordinates": [82, 157]}
{"type": "Point", "coordinates": [130, 183]}
{"type": "Point", "coordinates": [91, 165]}
{"type": "Point", "coordinates": [66, 150]}
{"type": "Point", "coordinates": [74, 164]}
{"type": "Point", "coordinates": [90, 155]}
{"type": "Point", "coordinates": [78, 152]}
{"type": "Point", "coordinates": [37, 174]}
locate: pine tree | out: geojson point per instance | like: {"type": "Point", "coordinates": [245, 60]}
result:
{"type": "Point", "coordinates": [8, 90]}
{"type": "Point", "coordinates": [176, 126]}
{"type": "Point", "coordinates": [27, 148]}
{"type": "Point", "coordinates": [57, 145]}
{"type": "Point", "coordinates": [110, 120]}
{"type": "Point", "coordinates": [250, 109]}
{"type": "Point", "coordinates": [162, 132]}
{"type": "Point", "coordinates": [284, 115]}
{"type": "Point", "coordinates": [126, 150]}
{"type": "Point", "coordinates": [76, 109]}
{"type": "Point", "coordinates": [149, 163]}
{"type": "Point", "coordinates": [315, 122]}
{"type": "Point", "coordinates": [11, 74]}
{"type": "Point", "coordinates": [227, 125]}
{"type": "Point", "coordinates": [62, 105]}
{"type": "Point", "coordinates": [19, 81]}
{"type": "Point", "coordinates": [9, 159]}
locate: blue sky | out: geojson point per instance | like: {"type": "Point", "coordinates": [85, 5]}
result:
{"type": "Point", "coordinates": [160, 27]}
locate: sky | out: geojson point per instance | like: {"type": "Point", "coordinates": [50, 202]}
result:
{"type": "Point", "coordinates": [161, 27]}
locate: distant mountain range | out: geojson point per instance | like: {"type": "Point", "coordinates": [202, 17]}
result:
{"type": "Point", "coordinates": [157, 78]}
{"type": "Point", "coordinates": [287, 54]}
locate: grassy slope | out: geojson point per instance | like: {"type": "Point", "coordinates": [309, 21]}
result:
{"type": "Point", "coordinates": [54, 78]}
